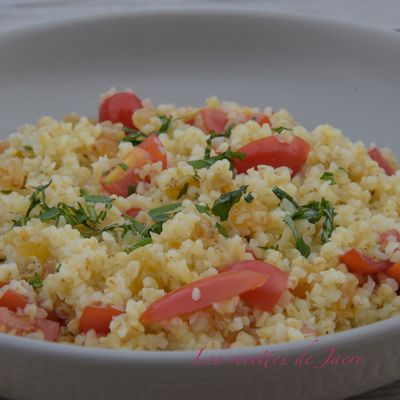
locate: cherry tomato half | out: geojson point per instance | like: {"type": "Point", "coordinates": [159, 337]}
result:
{"type": "Point", "coordinates": [120, 107]}
{"type": "Point", "coordinates": [274, 152]}
{"type": "Point", "coordinates": [214, 119]}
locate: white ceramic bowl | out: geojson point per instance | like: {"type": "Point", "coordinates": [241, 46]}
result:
{"type": "Point", "coordinates": [322, 71]}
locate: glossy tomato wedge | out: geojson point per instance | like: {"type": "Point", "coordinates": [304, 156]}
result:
{"type": "Point", "coordinates": [273, 151]}
{"type": "Point", "coordinates": [267, 295]}
{"type": "Point", "coordinates": [359, 263]}
{"type": "Point", "coordinates": [155, 149]}
{"type": "Point", "coordinates": [214, 119]}
{"type": "Point", "coordinates": [13, 300]}
{"type": "Point", "coordinates": [125, 175]}
{"type": "Point", "coordinates": [391, 234]}
{"type": "Point", "coordinates": [98, 318]}
{"type": "Point", "coordinates": [201, 294]}
{"type": "Point", "coordinates": [120, 107]}
{"type": "Point", "coordinates": [377, 156]}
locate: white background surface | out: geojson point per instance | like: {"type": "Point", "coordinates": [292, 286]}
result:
{"type": "Point", "coordinates": [15, 14]}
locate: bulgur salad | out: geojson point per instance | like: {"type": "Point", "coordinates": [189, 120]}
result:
{"type": "Point", "coordinates": [185, 228]}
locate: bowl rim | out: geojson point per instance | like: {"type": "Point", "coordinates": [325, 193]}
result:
{"type": "Point", "coordinates": [74, 352]}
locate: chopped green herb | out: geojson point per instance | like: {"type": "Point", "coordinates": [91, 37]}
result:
{"type": "Point", "coordinates": [208, 162]}
{"type": "Point", "coordinates": [124, 166]}
{"type": "Point", "coordinates": [134, 137]}
{"type": "Point", "coordinates": [328, 176]}
{"type": "Point", "coordinates": [221, 229]}
{"type": "Point", "coordinates": [131, 189]}
{"type": "Point", "coordinates": [327, 226]}
{"type": "Point", "coordinates": [36, 281]}
{"type": "Point", "coordinates": [165, 123]}
{"type": "Point", "coordinates": [50, 214]}
{"type": "Point", "coordinates": [281, 194]}
{"type": "Point", "coordinates": [276, 247]}
{"type": "Point", "coordinates": [249, 198]}
{"type": "Point", "coordinates": [58, 267]}
{"type": "Point", "coordinates": [280, 129]}
{"type": "Point", "coordinates": [222, 206]}
{"type": "Point", "coordinates": [5, 191]}
{"type": "Point", "coordinates": [183, 190]}
{"type": "Point", "coordinates": [96, 198]}
{"type": "Point", "coordinates": [28, 148]}
{"type": "Point", "coordinates": [163, 213]}
{"type": "Point", "coordinates": [203, 209]}
{"type": "Point", "coordinates": [20, 221]}
{"type": "Point", "coordinates": [140, 243]}
{"type": "Point", "coordinates": [300, 244]}
{"type": "Point", "coordinates": [312, 212]}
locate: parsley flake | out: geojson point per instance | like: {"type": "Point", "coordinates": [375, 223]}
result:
{"type": "Point", "coordinates": [328, 176]}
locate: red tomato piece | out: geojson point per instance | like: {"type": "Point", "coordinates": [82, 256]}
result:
{"type": "Point", "coordinates": [133, 212]}
{"type": "Point", "coordinates": [98, 318]}
{"type": "Point", "coordinates": [386, 236]}
{"type": "Point", "coordinates": [53, 316]}
{"type": "Point", "coordinates": [201, 294]}
{"type": "Point", "coordinates": [261, 119]}
{"type": "Point", "coordinates": [154, 147]}
{"type": "Point", "coordinates": [121, 177]}
{"type": "Point", "coordinates": [50, 329]}
{"type": "Point", "coordinates": [359, 263]}
{"type": "Point", "coordinates": [267, 295]}
{"type": "Point", "coordinates": [377, 156]}
{"type": "Point", "coordinates": [214, 119]}
{"type": "Point", "coordinates": [274, 152]}
{"type": "Point", "coordinates": [12, 321]}
{"type": "Point", "coordinates": [191, 120]}
{"type": "Point", "coordinates": [120, 107]}
{"type": "Point", "coordinates": [394, 272]}
{"type": "Point", "coordinates": [13, 300]}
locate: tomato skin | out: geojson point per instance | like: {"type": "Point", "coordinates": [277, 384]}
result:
{"type": "Point", "coordinates": [384, 239]}
{"type": "Point", "coordinates": [97, 318]}
{"type": "Point", "coordinates": [394, 272]}
{"type": "Point", "coordinates": [117, 180]}
{"type": "Point", "coordinates": [120, 107]}
{"type": "Point", "coordinates": [13, 300]}
{"type": "Point", "coordinates": [155, 149]}
{"type": "Point", "coordinates": [213, 289]}
{"type": "Point", "coordinates": [377, 156]}
{"type": "Point", "coordinates": [359, 263]}
{"type": "Point", "coordinates": [133, 212]}
{"type": "Point", "coordinates": [261, 119]}
{"type": "Point", "coordinates": [266, 296]}
{"type": "Point", "coordinates": [274, 152]}
{"type": "Point", "coordinates": [214, 119]}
